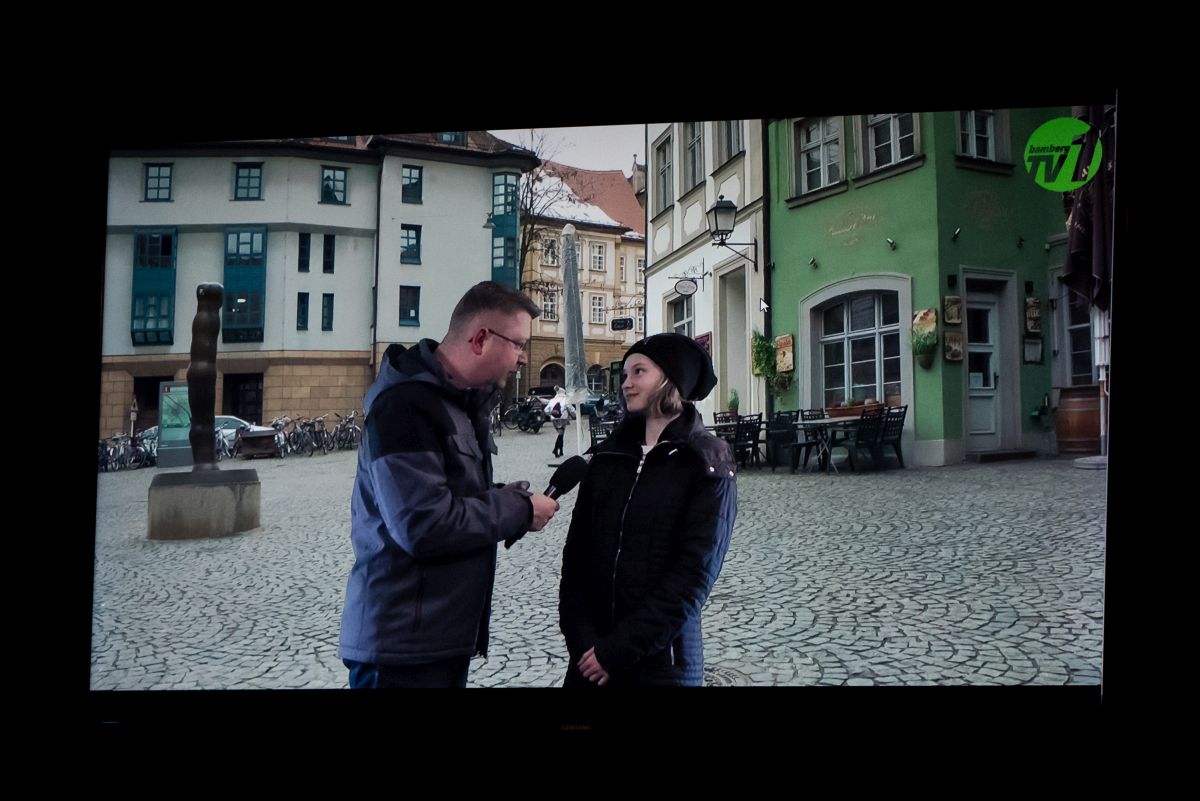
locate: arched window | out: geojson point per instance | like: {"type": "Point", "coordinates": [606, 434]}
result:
{"type": "Point", "coordinates": [860, 348]}
{"type": "Point", "coordinates": [595, 378]}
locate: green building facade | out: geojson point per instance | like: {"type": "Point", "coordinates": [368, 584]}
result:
{"type": "Point", "coordinates": [875, 218]}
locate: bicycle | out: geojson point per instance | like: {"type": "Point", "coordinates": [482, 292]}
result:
{"type": "Point", "coordinates": [347, 434]}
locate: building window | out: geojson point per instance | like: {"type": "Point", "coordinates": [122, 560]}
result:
{"type": "Point", "coordinates": [327, 253]}
{"type": "Point", "coordinates": [410, 244]}
{"type": "Point", "coordinates": [410, 183]}
{"type": "Point", "coordinates": [598, 309]}
{"type": "Point", "coordinates": [664, 181]}
{"type": "Point", "coordinates": [549, 305]}
{"type": "Point", "coordinates": [245, 284]}
{"type": "Point", "coordinates": [622, 269]}
{"type": "Point", "coordinates": [410, 305]}
{"type": "Point", "coordinates": [641, 319]}
{"type": "Point", "coordinates": [860, 348]}
{"type": "Point", "coordinates": [1079, 334]}
{"type": "Point", "coordinates": [305, 247]}
{"type": "Point", "coordinates": [151, 318]}
{"type": "Point", "coordinates": [550, 251]}
{"type": "Point", "coordinates": [679, 312]}
{"type": "Point", "coordinates": [452, 137]}
{"type": "Point", "coordinates": [247, 181]}
{"type": "Point", "coordinates": [301, 311]}
{"type": "Point", "coordinates": [154, 249]}
{"type": "Point", "coordinates": [158, 181]}
{"type": "Point", "coordinates": [578, 256]}
{"type": "Point", "coordinates": [818, 145]}
{"type": "Point", "coordinates": [327, 311]}
{"type": "Point", "coordinates": [641, 271]}
{"type": "Point", "coordinates": [246, 247]}
{"type": "Point", "coordinates": [729, 139]}
{"type": "Point", "coordinates": [333, 185]}
{"type": "Point", "coordinates": [977, 134]}
{"type": "Point", "coordinates": [595, 378]}
{"type": "Point", "coordinates": [504, 253]}
{"type": "Point", "coordinates": [891, 138]}
{"type": "Point", "coordinates": [694, 158]}
{"type": "Point", "coordinates": [598, 257]}
{"type": "Point", "coordinates": [504, 195]}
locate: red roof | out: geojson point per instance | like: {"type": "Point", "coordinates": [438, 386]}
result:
{"type": "Point", "coordinates": [608, 189]}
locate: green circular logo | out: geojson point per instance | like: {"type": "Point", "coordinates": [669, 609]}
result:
{"type": "Point", "coordinates": [1053, 153]}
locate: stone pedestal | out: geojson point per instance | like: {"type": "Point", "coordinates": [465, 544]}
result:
{"type": "Point", "coordinates": [211, 503]}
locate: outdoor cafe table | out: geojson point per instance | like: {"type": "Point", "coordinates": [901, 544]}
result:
{"type": "Point", "coordinates": [823, 428]}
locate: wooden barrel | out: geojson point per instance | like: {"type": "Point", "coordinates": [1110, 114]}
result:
{"type": "Point", "coordinates": [1077, 423]}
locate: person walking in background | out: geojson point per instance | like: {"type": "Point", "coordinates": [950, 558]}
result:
{"type": "Point", "coordinates": [559, 411]}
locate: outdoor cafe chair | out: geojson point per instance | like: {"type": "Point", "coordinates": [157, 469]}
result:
{"type": "Point", "coordinates": [865, 435]}
{"type": "Point", "coordinates": [812, 439]}
{"type": "Point", "coordinates": [746, 438]}
{"type": "Point", "coordinates": [893, 427]}
{"type": "Point", "coordinates": [781, 437]}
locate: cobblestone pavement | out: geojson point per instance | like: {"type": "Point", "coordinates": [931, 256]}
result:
{"type": "Point", "coordinates": [972, 574]}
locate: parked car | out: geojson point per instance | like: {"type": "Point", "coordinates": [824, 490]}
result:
{"type": "Point", "coordinates": [589, 405]}
{"type": "Point", "coordinates": [228, 425]}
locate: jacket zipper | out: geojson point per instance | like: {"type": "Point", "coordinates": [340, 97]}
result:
{"type": "Point", "coordinates": [621, 534]}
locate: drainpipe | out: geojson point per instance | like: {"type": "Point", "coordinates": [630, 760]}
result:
{"type": "Point", "coordinates": [375, 286]}
{"type": "Point", "coordinates": [767, 265]}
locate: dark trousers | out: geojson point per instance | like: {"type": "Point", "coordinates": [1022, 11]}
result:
{"type": "Point", "coordinates": [558, 443]}
{"type": "Point", "coordinates": [443, 673]}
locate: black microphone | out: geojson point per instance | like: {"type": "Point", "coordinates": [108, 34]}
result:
{"type": "Point", "coordinates": [565, 478]}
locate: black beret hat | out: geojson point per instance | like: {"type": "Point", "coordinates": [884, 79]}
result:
{"type": "Point", "coordinates": [682, 360]}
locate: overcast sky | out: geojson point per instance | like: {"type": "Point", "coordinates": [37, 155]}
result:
{"type": "Point", "coordinates": [600, 147]}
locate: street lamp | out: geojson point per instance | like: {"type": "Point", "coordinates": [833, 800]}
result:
{"type": "Point", "coordinates": [721, 218]}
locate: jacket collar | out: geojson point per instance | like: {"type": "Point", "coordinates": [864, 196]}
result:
{"type": "Point", "coordinates": [627, 437]}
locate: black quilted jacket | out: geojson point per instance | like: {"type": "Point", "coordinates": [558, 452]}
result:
{"type": "Point", "coordinates": [646, 543]}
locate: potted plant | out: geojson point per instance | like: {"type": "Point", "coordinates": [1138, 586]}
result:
{"type": "Point", "coordinates": [762, 349]}
{"type": "Point", "coordinates": [924, 336]}
{"type": "Point", "coordinates": [734, 400]}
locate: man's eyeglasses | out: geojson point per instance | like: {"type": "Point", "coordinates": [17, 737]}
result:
{"type": "Point", "coordinates": [521, 346]}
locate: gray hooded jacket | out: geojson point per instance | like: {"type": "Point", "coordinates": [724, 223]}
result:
{"type": "Point", "coordinates": [425, 518]}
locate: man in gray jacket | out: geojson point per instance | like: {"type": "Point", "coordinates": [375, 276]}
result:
{"type": "Point", "coordinates": [425, 515]}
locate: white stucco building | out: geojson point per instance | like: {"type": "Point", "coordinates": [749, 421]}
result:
{"type": "Point", "coordinates": [691, 165]}
{"type": "Point", "coordinates": [329, 250]}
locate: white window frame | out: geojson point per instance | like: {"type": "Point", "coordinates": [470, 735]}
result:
{"type": "Point", "coordinates": [595, 372]}
{"type": "Point", "coordinates": [687, 323]}
{"type": "Point", "coordinates": [1086, 326]}
{"type": "Point", "coordinates": [622, 260]}
{"type": "Point", "coordinates": [550, 306]}
{"type": "Point", "coordinates": [878, 331]}
{"type": "Point", "coordinates": [870, 121]}
{"type": "Point", "coordinates": [550, 251]}
{"type": "Point", "coordinates": [664, 174]}
{"type": "Point", "coordinates": [824, 144]}
{"type": "Point", "coordinates": [693, 155]}
{"type": "Point", "coordinates": [729, 139]}
{"type": "Point", "coordinates": [641, 319]}
{"type": "Point", "coordinates": [968, 124]}
{"type": "Point", "coordinates": [598, 310]}
{"type": "Point", "coordinates": [597, 260]}
{"type": "Point", "coordinates": [641, 270]}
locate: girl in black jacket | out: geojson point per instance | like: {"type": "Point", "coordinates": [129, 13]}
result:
{"type": "Point", "coordinates": [651, 526]}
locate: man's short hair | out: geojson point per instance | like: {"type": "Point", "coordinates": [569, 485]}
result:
{"type": "Point", "coordinates": [490, 296]}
